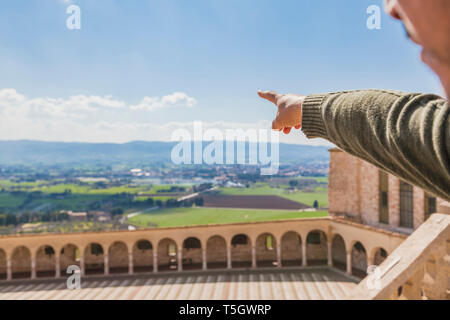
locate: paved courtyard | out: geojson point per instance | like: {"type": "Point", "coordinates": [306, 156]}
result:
{"type": "Point", "coordinates": [289, 284]}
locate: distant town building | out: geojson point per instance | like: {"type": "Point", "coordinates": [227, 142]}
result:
{"type": "Point", "coordinates": [100, 216]}
{"type": "Point", "coordinates": [77, 216]}
{"type": "Point", "coordinates": [232, 184]}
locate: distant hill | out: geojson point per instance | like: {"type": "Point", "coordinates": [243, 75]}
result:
{"type": "Point", "coordinates": [25, 152]}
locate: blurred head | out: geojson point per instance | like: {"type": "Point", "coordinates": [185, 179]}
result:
{"type": "Point", "coordinates": [427, 23]}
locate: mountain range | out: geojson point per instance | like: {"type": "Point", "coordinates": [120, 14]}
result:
{"type": "Point", "coordinates": [27, 152]}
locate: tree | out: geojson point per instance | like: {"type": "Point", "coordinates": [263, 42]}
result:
{"type": "Point", "coordinates": [171, 203]}
{"type": "Point", "coordinates": [293, 183]}
{"type": "Point", "coordinates": [198, 201]}
{"type": "Point", "coordinates": [11, 219]}
{"type": "Point", "coordinates": [3, 218]}
{"type": "Point", "coordinates": [150, 201]}
{"type": "Point", "coordinates": [316, 204]}
{"type": "Point", "coordinates": [117, 212]}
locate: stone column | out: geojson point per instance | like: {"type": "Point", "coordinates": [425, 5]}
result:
{"type": "Point", "coordinates": [228, 257]}
{"type": "Point", "coordinates": [33, 267]}
{"type": "Point", "coordinates": [180, 259]}
{"type": "Point", "coordinates": [8, 269]}
{"type": "Point", "coordinates": [155, 261]}
{"type": "Point", "coordinates": [370, 260]}
{"type": "Point", "coordinates": [106, 259]}
{"type": "Point", "coordinates": [329, 254]}
{"type": "Point", "coordinates": [204, 262]}
{"type": "Point", "coordinates": [304, 261]}
{"type": "Point", "coordinates": [279, 256]}
{"type": "Point", "coordinates": [349, 262]}
{"type": "Point", "coordinates": [57, 266]}
{"type": "Point", "coordinates": [82, 268]}
{"type": "Point", "coordinates": [253, 257]}
{"type": "Point", "coordinates": [130, 262]}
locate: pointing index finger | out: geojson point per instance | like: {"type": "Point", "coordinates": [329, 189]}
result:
{"type": "Point", "coordinates": [269, 95]}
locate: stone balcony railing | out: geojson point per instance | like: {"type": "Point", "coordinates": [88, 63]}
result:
{"type": "Point", "coordinates": [418, 269]}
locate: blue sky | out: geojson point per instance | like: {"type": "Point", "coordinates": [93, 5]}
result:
{"type": "Point", "coordinates": [106, 82]}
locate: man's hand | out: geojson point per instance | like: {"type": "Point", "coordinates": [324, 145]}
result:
{"type": "Point", "coordinates": [289, 110]}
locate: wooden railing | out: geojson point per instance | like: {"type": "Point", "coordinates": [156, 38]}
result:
{"type": "Point", "coordinates": [418, 269]}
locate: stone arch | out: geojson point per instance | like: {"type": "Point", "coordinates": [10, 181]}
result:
{"type": "Point", "coordinates": [316, 248]}
{"type": "Point", "coordinates": [167, 255]}
{"type": "Point", "coordinates": [241, 251]}
{"type": "Point", "coordinates": [94, 259]}
{"type": "Point", "coordinates": [266, 250]}
{"type": "Point", "coordinates": [118, 257]}
{"type": "Point", "coordinates": [45, 262]}
{"type": "Point", "coordinates": [359, 260]}
{"type": "Point", "coordinates": [21, 263]}
{"type": "Point", "coordinates": [291, 249]}
{"type": "Point", "coordinates": [3, 272]}
{"type": "Point", "coordinates": [69, 256]}
{"type": "Point", "coordinates": [339, 252]}
{"type": "Point", "coordinates": [216, 252]}
{"type": "Point", "coordinates": [379, 255]}
{"type": "Point", "coordinates": [143, 256]}
{"type": "Point", "coordinates": [192, 254]}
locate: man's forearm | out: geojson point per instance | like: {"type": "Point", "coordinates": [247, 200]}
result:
{"type": "Point", "coordinates": [405, 134]}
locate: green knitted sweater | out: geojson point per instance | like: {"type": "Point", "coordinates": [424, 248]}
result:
{"type": "Point", "coordinates": [406, 134]}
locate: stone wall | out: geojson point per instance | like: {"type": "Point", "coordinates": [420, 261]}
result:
{"type": "Point", "coordinates": [339, 254]}
{"type": "Point", "coordinates": [369, 194]}
{"type": "Point", "coordinates": [45, 261]}
{"type": "Point", "coordinates": [21, 260]}
{"type": "Point", "coordinates": [69, 257]}
{"type": "Point", "coordinates": [241, 252]}
{"type": "Point", "coordinates": [343, 186]}
{"type": "Point", "coordinates": [193, 255]}
{"type": "Point", "coordinates": [317, 251]}
{"type": "Point", "coordinates": [143, 258]}
{"type": "Point", "coordinates": [2, 264]}
{"type": "Point", "coordinates": [291, 247]}
{"type": "Point", "coordinates": [263, 253]}
{"type": "Point", "coordinates": [93, 260]}
{"type": "Point", "coordinates": [164, 257]}
{"type": "Point", "coordinates": [354, 192]}
{"type": "Point", "coordinates": [118, 255]}
{"type": "Point", "coordinates": [216, 250]}
{"type": "Point", "coordinates": [359, 257]}
{"type": "Point", "coordinates": [394, 200]}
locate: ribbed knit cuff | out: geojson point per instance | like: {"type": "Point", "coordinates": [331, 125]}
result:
{"type": "Point", "coordinates": [312, 118]}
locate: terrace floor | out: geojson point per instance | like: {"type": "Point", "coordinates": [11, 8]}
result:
{"type": "Point", "coordinates": [312, 283]}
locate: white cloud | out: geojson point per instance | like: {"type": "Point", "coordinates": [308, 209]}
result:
{"type": "Point", "coordinates": [79, 106]}
{"type": "Point", "coordinates": [13, 103]}
{"type": "Point", "coordinates": [179, 99]}
{"type": "Point", "coordinates": [104, 119]}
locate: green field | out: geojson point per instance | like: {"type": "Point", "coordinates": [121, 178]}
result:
{"type": "Point", "coordinates": [85, 188]}
{"type": "Point", "coordinates": [17, 196]}
{"type": "Point", "coordinates": [8, 200]}
{"type": "Point", "coordinates": [178, 217]}
{"type": "Point", "coordinates": [11, 184]}
{"type": "Point", "coordinates": [318, 179]}
{"type": "Point", "coordinates": [308, 198]}
{"type": "Point", "coordinates": [89, 189]}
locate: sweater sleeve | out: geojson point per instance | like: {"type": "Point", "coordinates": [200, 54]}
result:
{"type": "Point", "coordinates": [406, 134]}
